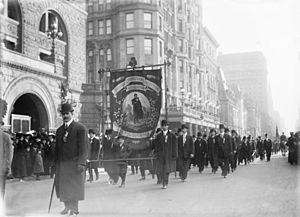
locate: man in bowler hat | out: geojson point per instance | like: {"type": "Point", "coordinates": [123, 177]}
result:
{"type": "Point", "coordinates": [70, 159]}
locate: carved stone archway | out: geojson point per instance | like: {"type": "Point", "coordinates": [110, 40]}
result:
{"type": "Point", "coordinates": [30, 85]}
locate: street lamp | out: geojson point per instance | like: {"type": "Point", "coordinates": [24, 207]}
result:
{"type": "Point", "coordinates": [166, 64]}
{"type": "Point", "coordinates": [53, 33]}
{"type": "Point", "coordinates": [182, 91]}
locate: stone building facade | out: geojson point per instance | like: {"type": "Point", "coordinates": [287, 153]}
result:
{"type": "Point", "coordinates": [34, 73]}
{"type": "Point", "coordinates": [153, 31]}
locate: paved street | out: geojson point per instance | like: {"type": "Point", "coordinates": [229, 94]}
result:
{"type": "Point", "coordinates": [260, 189]}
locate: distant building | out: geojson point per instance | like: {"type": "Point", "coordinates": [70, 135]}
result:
{"type": "Point", "coordinates": [32, 72]}
{"type": "Point", "coordinates": [249, 71]}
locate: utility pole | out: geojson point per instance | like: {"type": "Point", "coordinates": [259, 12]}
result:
{"type": "Point", "coordinates": [166, 64]}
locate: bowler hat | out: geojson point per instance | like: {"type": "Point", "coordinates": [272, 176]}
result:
{"type": "Point", "coordinates": [66, 108]}
{"type": "Point", "coordinates": [164, 123]}
{"type": "Point", "coordinates": [222, 126]}
{"type": "Point", "coordinates": [212, 130]}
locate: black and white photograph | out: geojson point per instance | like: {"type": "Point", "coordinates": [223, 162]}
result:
{"type": "Point", "coordinates": [149, 108]}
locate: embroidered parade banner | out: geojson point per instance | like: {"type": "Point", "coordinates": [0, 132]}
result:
{"type": "Point", "coordinates": [135, 104]}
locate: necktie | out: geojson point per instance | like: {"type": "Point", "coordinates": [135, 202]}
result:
{"type": "Point", "coordinates": [66, 126]}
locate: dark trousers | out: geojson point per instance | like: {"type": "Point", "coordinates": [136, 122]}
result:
{"type": "Point", "coordinates": [91, 167]}
{"type": "Point", "coordinates": [201, 162]}
{"type": "Point", "coordinates": [184, 168]}
{"type": "Point", "coordinates": [72, 205]}
{"type": "Point", "coordinates": [165, 178]}
{"type": "Point", "coordinates": [2, 185]}
{"type": "Point", "coordinates": [268, 155]}
{"type": "Point", "coordinates": [235, 160]}
{"type": "Point", "coordinates": [224, 164]}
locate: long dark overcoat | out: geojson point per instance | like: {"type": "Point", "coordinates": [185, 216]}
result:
{"type": "Point", "coordinates": [69, 182]}
{"type": "Point", "coordinates": [200, 151]}
{"type": "Point", "coordinates": [108, 153]}
{"type": "Point", "coordinates": [212, 151]}
{"type": "Point", "coordinates": [94, 151]}
{"type": "Point", "coordinates": [167, 152]}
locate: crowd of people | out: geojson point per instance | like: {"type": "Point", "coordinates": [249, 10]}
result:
{"type": "Point", "coordinates": [34, 153]}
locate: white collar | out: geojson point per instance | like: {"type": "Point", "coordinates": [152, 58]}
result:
{"type": "Point", "coordinates": [69, 122]}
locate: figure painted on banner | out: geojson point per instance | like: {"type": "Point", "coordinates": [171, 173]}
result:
{"type": "Point", "coordinates": [137, 108]}
{"type": "Point", "coordinates": [70, 160]}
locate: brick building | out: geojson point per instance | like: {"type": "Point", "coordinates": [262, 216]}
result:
{"type": "Point", "coordinates": [32, 72]}
{"type": "Point", "coordinates": [153, 31]}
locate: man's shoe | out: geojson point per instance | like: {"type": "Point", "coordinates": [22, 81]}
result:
{"type": "Point", "coordinates": [164, 187]}
{"type": "Point", "coordinates": [74, 214]}
{"type": "Point", "coordinates": [64, 212]}
{"type": "Point", "coordinates": [143, 178]}
{"type": "Point", "coordinates": [122, 186]}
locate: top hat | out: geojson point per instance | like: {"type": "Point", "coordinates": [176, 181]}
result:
{"type": "Point", "coordinates": [199, 134]}
{"type": "Point", "coordinates": [221, 126]}
{"type": "Point", "coordinates": [183, 126]}
{"type": "Point", "coordinates": [66, 108]}
{"type": "Point", "coordinates": [164, 123]}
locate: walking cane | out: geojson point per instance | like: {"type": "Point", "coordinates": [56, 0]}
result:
{"type": "Point", "coordinates": [51, 195]}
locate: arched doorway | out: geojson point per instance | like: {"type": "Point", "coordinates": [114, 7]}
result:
{"type": "Point", "coordinates": [31, 105]}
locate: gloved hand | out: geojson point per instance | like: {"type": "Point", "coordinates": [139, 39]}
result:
{"type": "Point", "coordinates": [80, 168]}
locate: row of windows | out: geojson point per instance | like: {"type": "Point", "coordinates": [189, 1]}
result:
{"type": "Point", "coordinates": [148, 49]}
{"type": "Point", "coordinates": [105, 25]}
{"type": "Point", "coordinates": [101, 28]}
{"type": "Point", "coordinates": [102, 5]}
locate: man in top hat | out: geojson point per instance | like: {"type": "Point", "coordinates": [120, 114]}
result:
{"type": "Point", "coordinates": [200, 151]}
{"type": "Point", "coordinates": [70, 159]}
{"type": "Point", "coordinates": [224, 145]}
{"type": "Point", "coordinates": [93, 155]}
{"type": "Point", "coordinates": [268, 147]}
{"type": "Point", "coordinates": [212, 150]}
{"type": "Point", "coordinates": [167, 152]}
{"type": "Point", "coordinates": [185, 152]}
{"type": "Point", "coordinates": [108, 154]}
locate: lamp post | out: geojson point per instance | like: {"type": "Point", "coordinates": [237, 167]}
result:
{"type": "Point", "coordinates": [53, 33]}
{"type": "Point", "coordinates": [166, 64]}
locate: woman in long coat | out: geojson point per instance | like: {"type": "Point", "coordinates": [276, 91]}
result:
{"type": "Point", "coordinates": [19, 169]}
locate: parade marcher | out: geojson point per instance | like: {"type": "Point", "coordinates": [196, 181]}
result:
{"type": "Point", "coordinates": [249, 149]}
{"type": "Point", "coordinates": [224, 150]}
{"type": "Point", "coordinates": [167, 152]}
{"type": "Point", "coordinates": [70, 159]}
{"type": "Point", "coordinates": [122, 151]}
{"type": "Point", "coordinates": [297, 147]}
{"type": "Point", "coordinates": [291, 143]}
{"type": "Point", "coordinates": [235, 144]}
{"type": "Point", "coordinates": [283, 146]}
{"type": "Point", "coordinates": [260, 148]}
{"type": "Point", "coordinates": [268, 146]}
{"type": "Point", "coordinates": [200, 151]}
{"type": "Point", "coordinates": [212, 150]}
{"type": "Point", "coordinates": [154, 147]}
{"type": "Point", "coordinates": [244, 151]}
{"type": "Point", "coordinates": [227, 132]}
{"type": "Point", "coordinates": [6, 155]}
{"type": "Point", "coordinates": [93, 155]}
{"type": "Point", "coordinates": [185, 152]}
{"type": "Point", "coordinates": [107, 151]}
{"type": "Point", "coordinates": [38, 167]}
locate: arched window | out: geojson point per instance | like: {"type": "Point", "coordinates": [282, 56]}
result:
{"type": "Point", "coordinates": [49, 18]}
{"type": "Point", "coordinates": [12, 16]}
{"type": "Point", "coordinates": [57, 54]}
